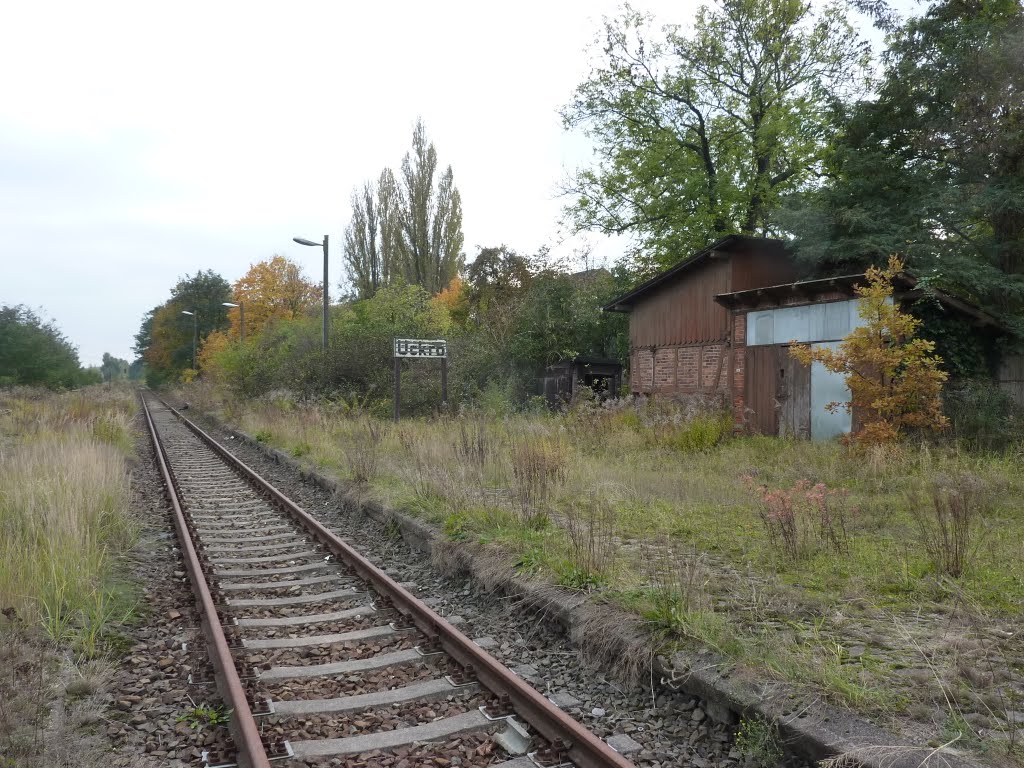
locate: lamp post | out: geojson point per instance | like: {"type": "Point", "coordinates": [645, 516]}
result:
{"type": "Point", "coordinates": [241, 315]}
{"type": "Point", "coordinates": [195, 333]}
{"type": "Point", "coordinates": [304, 241]}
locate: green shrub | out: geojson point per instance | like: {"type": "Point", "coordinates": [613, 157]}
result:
{"type": "Point", "coordinates": [700, 433]}
{"type": "Point", "coordinates": [982, 415]}
{"type": "Point", "coordinates": [759, 740]}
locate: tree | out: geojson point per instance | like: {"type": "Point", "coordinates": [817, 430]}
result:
{"type": "Point", "coordinates": [370, 249]}
{"type": "Point", "coordinates": [113, 368]}
{"type": "Point", "coordinates": [35, 353]}
{"type": "Point", "coordinates": [700, 136]}
{"type": "Point", "coordinates": [895, 379]}
{"type": "Point", "coordinates": [274, 289]}
{"type": "Point", "coordinates": [455, 300]}
{"type": "Point", "coordinates": [431, 221]}
{"type": "Point", "coordinates": [408, 227]}
{"type": "Point", "coordinates": [561, 318]}
{"type": "Point", "coordinates": [932, 168]}
{"type": "Point", "coordinates": [165, 338]}
{"type": "Point", "coordinates": [497, 282]}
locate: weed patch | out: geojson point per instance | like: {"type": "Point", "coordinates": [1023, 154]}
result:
{"type": "Point", "coordinates": [64, 513]}
{"type": "Point", "coordinates": [802, 572]}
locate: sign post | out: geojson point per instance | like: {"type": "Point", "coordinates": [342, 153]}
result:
{"type": "Point", "coordinates": [431, 349]}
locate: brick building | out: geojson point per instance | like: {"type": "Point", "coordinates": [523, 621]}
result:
{"type": "Point", "coordinates": [681, 340]}
{"type": "Point", "coordinates": [721, 322]}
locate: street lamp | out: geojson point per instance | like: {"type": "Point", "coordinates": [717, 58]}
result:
{"type": "Point", "coordinates": [304, 241]}
{"type": "Point", "coordinates": [195, 333]}
{"type": "Point", "coordinates": [241, 315]}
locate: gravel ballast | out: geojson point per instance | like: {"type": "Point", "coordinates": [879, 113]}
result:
{"type": "Point", "coordinates": [670, 728]}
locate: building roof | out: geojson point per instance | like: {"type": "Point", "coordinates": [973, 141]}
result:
{"type": "Point", "coordinates": [625, 302]}
{"type": "Point", "coordinates": [906, 284]}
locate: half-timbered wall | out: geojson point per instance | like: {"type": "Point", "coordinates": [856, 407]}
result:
{"type": "Point", "coordinates": [691, 369]}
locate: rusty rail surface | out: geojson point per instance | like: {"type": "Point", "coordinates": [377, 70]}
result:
{"type": "Point", "coordinates": [242, 724]}
{"type": "Point", "coordinates": [584, 748]}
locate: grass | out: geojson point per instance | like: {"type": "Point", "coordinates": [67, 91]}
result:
{"type": "Point", "coordinates": [65, 523]}
{"type": "Point", "coordinates": [64, 510]}
{"type": "Point", "coordinates": [647, 506]}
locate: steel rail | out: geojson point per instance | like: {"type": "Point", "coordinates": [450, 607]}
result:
{"type": "Point", "coordinates": [584, 748]}
{"type": "Point", "coordinates": [242, 724]}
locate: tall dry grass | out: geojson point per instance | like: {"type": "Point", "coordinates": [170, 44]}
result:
{"type": "Point", "coordinates": [64, 507]}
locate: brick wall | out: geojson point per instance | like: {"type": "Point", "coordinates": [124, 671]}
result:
{"type": "Point", "coordinates": [739, 370]}
{"type": "Point", "coordinates": [714, 375]}
{"type": "Point", "coordinates": [682, 369]}
{"type": "Point", "coordinates": [664, 370]}
{"type": "Point", "coordinates": [689, 359]}
{"type": "Point", "coordinates": [643, 371]}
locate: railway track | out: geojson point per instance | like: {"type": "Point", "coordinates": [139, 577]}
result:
{"type": "Point", "coordinates": [323, 659]}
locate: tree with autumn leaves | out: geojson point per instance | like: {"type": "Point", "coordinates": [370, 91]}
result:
{"type": "Point", "coordinates": [894, 377]}
{"type": "Point", "coordinates": [272, 290]}
{"type": "Point", "coordinates": [165, 338]}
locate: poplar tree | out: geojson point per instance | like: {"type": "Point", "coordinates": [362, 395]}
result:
{"type": "Point", "coordinates": [370, 248]}
{"type": "Point", "coordinates": [407, 226]}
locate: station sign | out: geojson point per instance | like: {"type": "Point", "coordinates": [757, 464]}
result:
{"type": "Point", "coordinates": [428, 348]}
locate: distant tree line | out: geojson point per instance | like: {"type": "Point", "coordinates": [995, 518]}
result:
{"type": "Point", "coordinates": [505, 319]}
{"type": "Point", "coordinates": [35, 353]}
{"type": "Point", "coordinates": [164, 342]}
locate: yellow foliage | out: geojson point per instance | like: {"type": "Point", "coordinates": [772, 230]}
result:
{"type": "Point", "coordinates": [215, 343]}
{"type": "Point", "coordinates": [455, 299]}
{"type": "Point", "coordinates": [894, 377]}
{"type": "Point", "coordinates": [167, 335]}
{"type": "Point", "coordinates": [271, 290]}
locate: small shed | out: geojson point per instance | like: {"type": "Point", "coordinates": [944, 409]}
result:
{"type": "Point", "coordinates": [720, 323]}
{"type": "Point", "coordinates": [679, 337]}
{"type": "Point", "coordinates": [561, 381]}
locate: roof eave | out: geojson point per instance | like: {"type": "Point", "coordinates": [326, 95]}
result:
{"type": "Point", "coordinates": [624, 302]}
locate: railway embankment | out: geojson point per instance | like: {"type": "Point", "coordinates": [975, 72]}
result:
{"type": "Point", "coordinates": [807, 720]}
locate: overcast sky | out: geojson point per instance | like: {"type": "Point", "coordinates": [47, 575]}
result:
{"type": "Point", "coordinates": [140, 142]}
